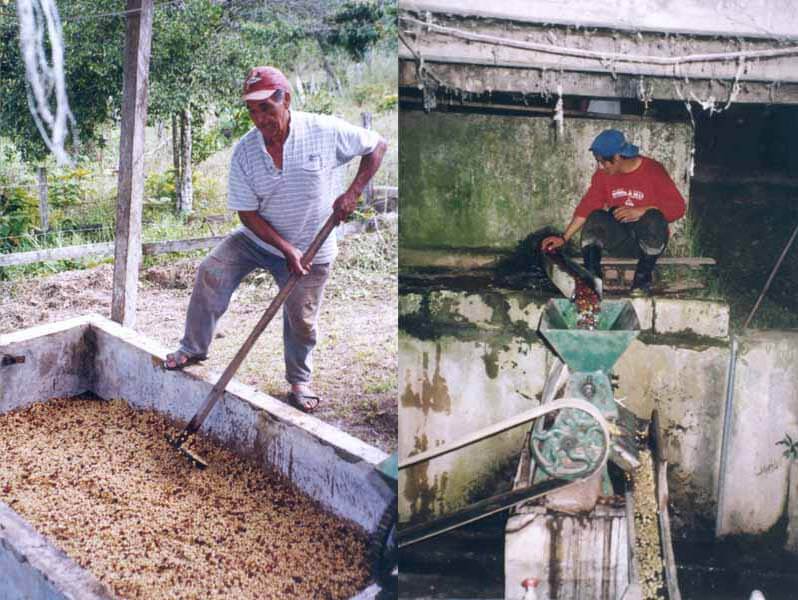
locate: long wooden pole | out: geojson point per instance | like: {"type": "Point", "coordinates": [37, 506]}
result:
{"type": "Point", "coordinates": [127, 255]}
{"type": "Point", "coordinates": [268, 315]}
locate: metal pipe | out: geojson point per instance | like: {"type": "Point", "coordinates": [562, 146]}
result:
{"type": "Point", "coordinates": [727, 431]}
{"type": "Point", "coordinates": [770, 279]}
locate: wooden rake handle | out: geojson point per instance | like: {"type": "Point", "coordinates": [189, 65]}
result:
{"type": "Point", "coordinates": [268, 315]}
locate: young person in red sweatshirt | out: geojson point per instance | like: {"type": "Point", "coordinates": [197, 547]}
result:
{"type": "Point", "coordinates": [625, 211]}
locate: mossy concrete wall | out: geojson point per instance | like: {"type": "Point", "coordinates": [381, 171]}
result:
{"type": "Point", "coordinates": [487, 181]}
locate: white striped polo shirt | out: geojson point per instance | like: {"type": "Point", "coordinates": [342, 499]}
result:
{"type": "Point", "coordinates": [297, 199]}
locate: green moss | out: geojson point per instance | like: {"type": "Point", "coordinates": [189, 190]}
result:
{"type": "Point", "coordinates": [476, 180]}
{"type": "Point", "coordinates": [686, 339]}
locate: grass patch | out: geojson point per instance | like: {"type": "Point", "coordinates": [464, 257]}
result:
{"type": "Point", "coordinates": [380, 387]}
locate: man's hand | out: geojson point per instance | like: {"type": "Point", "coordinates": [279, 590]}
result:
{"type": "Point", "coordinates": [294, 259]}
{"type": "Point", "coordinates": [552, 243]}
{"type": "Point", "coordinates": [345, 205]}
{"type": "Point", "coordinates": [629, 214]}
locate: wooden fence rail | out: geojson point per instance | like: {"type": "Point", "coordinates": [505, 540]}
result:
{"type": "Point", "coordinates": [105, 249]}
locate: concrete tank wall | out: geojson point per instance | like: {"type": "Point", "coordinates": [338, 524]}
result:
{"type": "Point", "coordinates": [765, 408]}
{"type": "Point", "coordinates": [472, 359]}
{"type": "Point", "coordinates": [93, 354]}
{"type": "Point", "coordinates": [479, 181]}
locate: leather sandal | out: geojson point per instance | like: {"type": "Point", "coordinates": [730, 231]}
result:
{"type": "Point", "coordinates": [305, 401]}
{"type": "Point", "coordinates": [180, 360]}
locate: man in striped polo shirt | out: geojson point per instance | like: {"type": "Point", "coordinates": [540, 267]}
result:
{"type": "Point", "coordinates": [282, 186]}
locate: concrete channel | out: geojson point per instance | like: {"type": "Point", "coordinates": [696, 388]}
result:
{"type": "Point", "coordinates": [93, 354]}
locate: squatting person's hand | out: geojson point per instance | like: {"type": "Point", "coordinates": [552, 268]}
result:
{"type": "Point", "coordinates": [628, 214]}
{"type": "Point", "coordinates": [552, 243]}
{"type": "Point", "coordinates": [345, 205]}
{"type": "Point", "coordinates": [294, 259]}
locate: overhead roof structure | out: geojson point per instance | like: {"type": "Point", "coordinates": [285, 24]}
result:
{"type": "Point", "coordinates": [713, 53]}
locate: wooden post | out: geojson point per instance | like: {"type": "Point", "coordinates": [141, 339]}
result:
{"type": "Point", "coordinates": [186, 204]}
{"type": "Point", "coordinates": [127, 255]}
{"type": "Point", "coordinates": [43, 211]}
{"type": "Point", "coordinates": [176, 159]}
{"type": "Point", "coordinates": [369, 191]}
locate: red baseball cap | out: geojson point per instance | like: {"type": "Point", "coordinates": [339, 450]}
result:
{"type": "Point", "coordinates": [262, 82]}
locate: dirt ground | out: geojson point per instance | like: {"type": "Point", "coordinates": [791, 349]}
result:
{"type": "Point", "coordinates": [355, 361]}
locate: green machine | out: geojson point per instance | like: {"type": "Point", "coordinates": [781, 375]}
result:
{"type": "Point", "coordinates": [564, 446]}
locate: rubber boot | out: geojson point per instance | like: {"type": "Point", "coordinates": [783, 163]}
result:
{"type": "Point", "coordinates": [592, 257]}
{"type": "Point", "coordinates": [641, 284]}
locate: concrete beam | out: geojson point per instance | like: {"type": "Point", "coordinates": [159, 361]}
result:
{"type": "Point", "coordinates": [454, 39]}
{"type": "Point", "coordinates": [531, 79]}
{"type": "Point", "coordinates": [753, 18]}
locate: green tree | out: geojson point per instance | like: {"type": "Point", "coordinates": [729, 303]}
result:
{"type": "Point", "coordinates": [356, 27]}
{"type": "Point", "coordinates": [201, 51]}
{"type": "Point", "coordinates": [93, 71]}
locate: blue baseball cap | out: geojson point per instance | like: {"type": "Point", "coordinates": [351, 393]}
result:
{"type": "Point", "coordinates": [611, 142]}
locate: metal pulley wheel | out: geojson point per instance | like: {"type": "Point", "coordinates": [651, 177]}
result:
{"type": "Point", "coordinates": [570, 443]}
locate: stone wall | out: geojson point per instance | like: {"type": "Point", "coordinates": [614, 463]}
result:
{"type": "Point", "coordinates": [487, 181]}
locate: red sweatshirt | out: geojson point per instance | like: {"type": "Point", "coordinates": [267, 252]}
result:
{"type": "Point", "coordinates": [648, 185]}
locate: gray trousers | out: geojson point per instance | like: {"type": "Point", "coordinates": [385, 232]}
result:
{"type": "Point", "coordinates": [218, 277]}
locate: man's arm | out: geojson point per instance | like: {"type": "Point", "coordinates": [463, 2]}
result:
{"type": "Point", "coordinates": [263, 229]}
{"type": "Point", "coordinates": [553, 242]}
{"type": "Point", "coordinates": [345, 204]}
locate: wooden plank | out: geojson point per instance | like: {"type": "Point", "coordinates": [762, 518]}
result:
{"type": "Point", "coordinates": [661, 467]}
{"type": "Point", "coordinates": [690, 261]}
{"type": "Point", "coordinates": [65, 253]}
{"type": "Point", "coordinates": [478, 259]}
{"type": "Point", "coordinates": [106, 249]}
{"type": "Point", "coordinates": [756, 20]}
{"type": "Point", "coordinates": [182, 245]}
{"type": "Point", "coordinates": [671, 577]}
{"type": "Point", "coordinates": [418, 102]}
{"type": "Point", "coordinates": [127, 257]}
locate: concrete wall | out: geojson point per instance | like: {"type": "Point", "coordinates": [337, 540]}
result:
{"type": "Point", "coordinates": [57, 363]}
{"type": "Point", "coordinates": [97, 355]}
{"type": "Point", "coordinates": [32, 569]}
{"type": "Point", "coordinates": [471, 359]}
{"type": "Point", "coordinates": [684, 379]}
{"type": "Point", "coordinates": [765, 408]}
{"type": "Point", "coordinates": [477, 181]}
{"type": "Point", "coordinates": [449, 388]}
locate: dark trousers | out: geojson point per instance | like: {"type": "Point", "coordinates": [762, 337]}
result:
{"type": "Point", "coordinates": [646, 237]}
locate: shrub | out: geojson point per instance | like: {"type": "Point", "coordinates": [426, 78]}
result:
{"type": "Point", "coordinates": [18, 215]}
